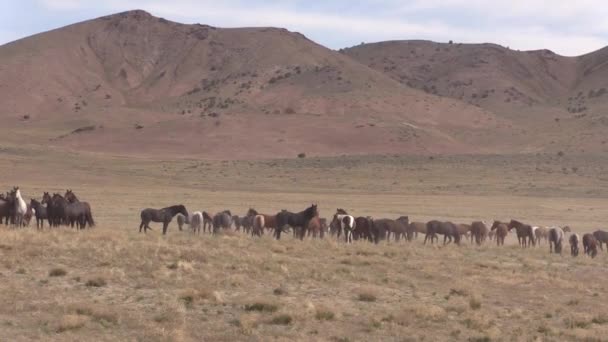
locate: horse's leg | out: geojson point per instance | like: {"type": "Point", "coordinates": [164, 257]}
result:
{"type": "Point", "coordinates": [141, 225]}
{"type": "Point", "coordinates": [165, 225]}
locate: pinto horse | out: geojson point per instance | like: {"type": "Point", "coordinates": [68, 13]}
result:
{"type": "Point", "coordinates": [295, 220]}
{"type": "Point", "coordinates": [344, 223]}
{"type": "Point", "coordinates": [164, 215]}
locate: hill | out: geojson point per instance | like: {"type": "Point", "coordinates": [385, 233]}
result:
{"type": "Point", "coordinates": [133, 83]}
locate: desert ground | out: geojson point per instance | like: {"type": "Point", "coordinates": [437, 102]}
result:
{"type": "Point", "coordinates": [113, 283]}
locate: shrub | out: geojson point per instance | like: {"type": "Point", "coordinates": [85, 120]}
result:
{"type": "Point", "coordinates": [282, 319]}
{"type": "Point", "coordinates": [475, 303]}
{"type": "Point", "coordinates": [302, 155]}
{"type": "Point", "coordinates": [325, 315]}
{"type": "Point", "coordinates": [96, 282]}
{"type": "Point", "coordinates": [57, 272]}
{"type": "Point", "coordinates": [261, 307]}
{"type": "Point", "coordinates": [367, 297]}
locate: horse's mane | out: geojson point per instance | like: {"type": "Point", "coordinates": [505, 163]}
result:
{"type": "Point", "coordinates": [341, 211]}
{"type": "Point", "coordinates": [175, 207]}
{"type": "Point", "coordinates": [252, 212]}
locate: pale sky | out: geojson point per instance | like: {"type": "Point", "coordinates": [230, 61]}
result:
{"type": "Point", "coordinates": [565, 26]}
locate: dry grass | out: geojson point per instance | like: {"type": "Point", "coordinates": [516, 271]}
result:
{"type": "Point", "coordinates": [159, 288]}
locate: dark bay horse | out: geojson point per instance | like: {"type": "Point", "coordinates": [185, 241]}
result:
{"type": "Point", "coordinates": [55, 211]}
{"type": "Point", "coordinates": [295, 220]}
{"type": "Point", "coordinates": [501, 230]}
{"type": "Point", "coordinates": [479, 232]}
{"type": "Point", "coordinates": [40, 212]}
{"type": "Point", "coordinates": [164, 215]}
{"type": "Point", "coordinates": [447, 229]}
{"type": "Point", "coordinates": [79, 208]}
{"type": "Point", "coordinates": [363, 228]}
{"type": "Point", "coordinates": [7, 206]}
{"type": "Point", "coordinates": [222, 220]}
{"type": "Point", "coordinates": [525, 233]}
{"type": "Point", "coordinates": [574, 242]}
{"type": "Point", "coordinates": [382, 228]}
{"type": "Point", "coordinates": [602, 237]}
{"type": "Point", "coordinates": [590, 245]}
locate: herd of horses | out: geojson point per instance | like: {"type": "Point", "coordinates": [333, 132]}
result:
{"type": "Point", "coordinates": [308, 223]}
{"type": "Point", "coordinates": [70, 211]}
{"type": "Point", "coordinates": [56, 209]}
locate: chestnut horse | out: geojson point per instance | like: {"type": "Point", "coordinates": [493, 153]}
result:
{"type": "Point", "coordinates": [574, 241]}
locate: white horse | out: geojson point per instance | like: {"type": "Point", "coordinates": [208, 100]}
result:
{"type": "Point", "coordinates": [346, 223]}
{"type": "Point", "coordinates": [20, 207]}
{"type": "Point", "coordinates": [196, 221]}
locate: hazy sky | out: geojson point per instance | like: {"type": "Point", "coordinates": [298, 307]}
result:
{"type": "Point", "coordinates": [567, 27]}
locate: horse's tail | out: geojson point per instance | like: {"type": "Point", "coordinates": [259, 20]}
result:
{"type": "Point", "coordinates": [89, 218]}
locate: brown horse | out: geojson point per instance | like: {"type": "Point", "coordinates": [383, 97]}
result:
{"type": "Point", "coordinates": [409, 230]}
{"type": "Point", "coordinates": [590, 245]}
{"type": "Point", "coordinates": [381, 229]}
{"type": "Point", "coordinates": [479, 232]}
{"type": "Point", "coordinates": [525, 235]}
{"type": "Point", "coordinates": [501, 230]}
{"type": "Point", "coordinates": [463, 229]}
{"type": "Point", "coordinates": [257, 229]}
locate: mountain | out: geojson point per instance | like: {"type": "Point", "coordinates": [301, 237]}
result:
{"type": "Point", "coordinates": [548, 95]}
{"type": "Point", "coordinates": [135, 84]}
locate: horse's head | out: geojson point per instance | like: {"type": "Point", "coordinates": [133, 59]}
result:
{"type": "Point", "coordinates": [46, 198]}
{"type": "Point", "coordinates": [70, 196]}
{"type": "Point", "coordinates": [341, 211]}
{"type": "Point", "coordinates": [252, 212]}
{"type": "Point", "coordinates": [312, 211]}
{"type": "Point", "coordinates": [182, 210]}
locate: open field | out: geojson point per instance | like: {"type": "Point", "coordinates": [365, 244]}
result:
{"type": "Point", "coordinates": [112, 283]}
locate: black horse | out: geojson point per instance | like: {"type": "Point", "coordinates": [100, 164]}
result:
{"type": "Point", "coordinates": [41, 213]}
{"type": "Point", "coordinates": [55, 209]}
{"type": "Point", "coordinates": [295, 220]}
{"type": "Point", "coordinates": [164, 215]}
{"type": "Point", "coordinates": [7, 205]}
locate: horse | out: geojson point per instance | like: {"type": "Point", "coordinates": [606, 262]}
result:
{"type": "Point", "coordinates": [196, 221]}
{"type": "Point", "coordinates": [463, 229]}
{"type": "Point", "coordinates": [20, 207]}
{"type": "Point", "coordinates": [7, 206]}
{"type": "Point", "coordinates": [590, 245]}
{"type": "Point", "coordinates": [164, 215]}
{"type": "Point", "coordinates": [409, 230]}
{"type": "Point", "coordinates": [381, 228]}
{"type": "Point", "coordinates": [270, 221]}
{"type": "Point", "coordinates": [222, 220]}
{"type": "Point", "coordinates": [447, 229]}
{"type": "Point", "coordinates": [601, 237]}
{"type": "Point", "coordinates": [363, 228]}
{"type": "Point", "coordinates": [181, 220]}
{"type": "Point", "coordinates": [343, 222]}
{"type": "Point", "coordinates": [315, 228]}
{"type": "Point", "coordinates": [397, 229]}
{"type": "Point", "coordinates": [247, 220]}
{"type": "Point", "coordinates": [295, 220]}
{"type": "Point", "coordinates": [41, 213]}
{"type": "Point", "coordinates": [74, 214]}
{"type": "Point", "coordinates": [238, 222]}
{"type": "Point", "coordinates": [574, 241]}
{"type": "Point", "coordinates": [479, 232]}
{"type": "Point", "coordinates": [80, 207]}
{"type": "Point", "coordinates": [541, 233]}
{"type": "Point", "coordinates": [418, 227]}
{"type": "Point", "coordinates": [207, 222]}
{"type": "Point", "coordinates": [257, 228]}
{"type": "Point", "coordinates": [501, 230]}
{"type": "Point", "coordinates": [524, 231]}
{"type": "Point", "coordinates": [556, 237]}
